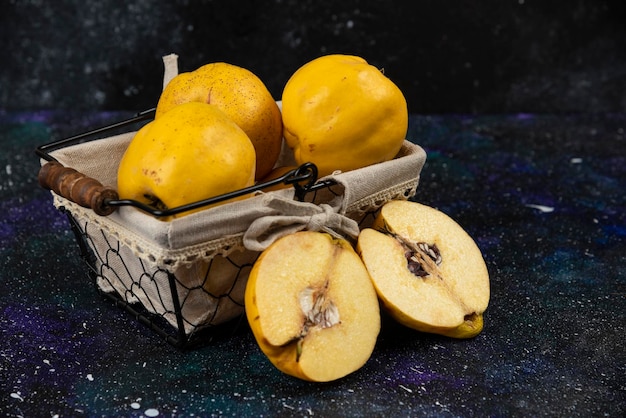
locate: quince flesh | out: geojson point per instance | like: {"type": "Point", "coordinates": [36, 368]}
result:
{"type": "Point", "coordinates": [312, 307]}
{"type": "Point", "coordinates": [341, 113]}
{"type": "Point", "coordinates": [428, 272]}
{"type": "Point", "coordinates": [192, 153]}
{"type": "Point", "coordinates": [241, 95]}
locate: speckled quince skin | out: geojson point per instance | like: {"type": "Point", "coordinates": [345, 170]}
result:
{"type": "Point", "coordinates": [241, 95]}
{"type": "Point", "coordinates": [341, 113]}
{"type": "Point", "coordinates": [192, 153]}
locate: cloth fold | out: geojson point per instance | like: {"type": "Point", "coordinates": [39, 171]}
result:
{"type": "Point", "coordinates": [294, 216]}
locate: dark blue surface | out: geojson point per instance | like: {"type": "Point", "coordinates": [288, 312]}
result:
{"type": "Point", "coordinates": [544, 197]}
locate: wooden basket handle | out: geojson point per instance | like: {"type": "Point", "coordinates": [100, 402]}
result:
{"type": "Point", "coordinates": [77, 187]}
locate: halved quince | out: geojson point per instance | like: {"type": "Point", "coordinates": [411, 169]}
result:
{"type": "Point", "coordinates": [428, 272]}
{"type": "Point", "coordinates": [312, 307]}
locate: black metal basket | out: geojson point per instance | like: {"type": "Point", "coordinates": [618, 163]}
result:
{"type": "Point", "coordinates": [167, 299]}
{"type": "Point", "coordinates": [303, 179]}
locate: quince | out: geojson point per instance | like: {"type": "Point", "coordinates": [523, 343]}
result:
{"type": "Point", "coordinates": [341, 113]}
{"type": "Point", "coordinates": [191, 153]}
{"type": "Point", "coordinates": [428, 272]}
{"type": "Point", "coordinates": [241, 95]}
{"type": "Point", "coordinates": [312, 307]}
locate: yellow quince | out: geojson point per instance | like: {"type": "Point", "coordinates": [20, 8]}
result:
{"type": "Point", "coordinates": [241, 95]}
{"type": "Point", "coordinates": [341, 113]}
{"type": "Point", "coordinates": [191, 153]}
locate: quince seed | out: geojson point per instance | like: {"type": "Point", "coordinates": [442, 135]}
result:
{"type": "Point", "coordinates": [318, 309]}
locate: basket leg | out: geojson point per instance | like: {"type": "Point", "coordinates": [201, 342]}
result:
{"type": "Point", "coordinates": [180, 324]}
{"type": "Point", "coordinates": [85, 252]}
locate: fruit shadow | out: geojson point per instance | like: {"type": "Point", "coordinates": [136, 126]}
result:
{"type": "Point", "coordinates": [394, 335]}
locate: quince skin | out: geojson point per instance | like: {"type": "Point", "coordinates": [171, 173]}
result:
{"type": "Point", "coordinates": [191, 153]}
{"type": "Point", "coordinates": [341, 113]}
{"type": "Point", "coordinates": [241, 95]}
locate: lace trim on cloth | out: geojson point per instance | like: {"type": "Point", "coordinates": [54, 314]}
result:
{"type": "Point", "coordinates": [148, 250]}
{"type": "Point", "coordinates": [402, 191]}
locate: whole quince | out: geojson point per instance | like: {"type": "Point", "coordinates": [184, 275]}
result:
{"type": "Point", "coordinates": [191, 153]}
{"type": "Point", "coordinates": [241, 95]}
{"type": "Point", "coordinates": [341, 113]}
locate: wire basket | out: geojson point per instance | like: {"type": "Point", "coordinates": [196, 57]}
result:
{"type": "Point", "coordinates": [185, 279]}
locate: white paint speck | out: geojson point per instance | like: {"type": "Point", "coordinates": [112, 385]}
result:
{"type": "Point", "coordinates": [17, 395]}
{"type": "Point", "coordinates": [135, 405]}
{"type": "Point", "coordinates": [90, 377]}
{"type": "Point", "coordinates": [541, 208]}
{"type": "Point", "coordinates": [151, 412]}
{"type": "Point", "coordinates": [405, 388]}
{"type": "Point", "coordinates": [9, 169]}
{"type": "Point", "coordinates": [576, 160]}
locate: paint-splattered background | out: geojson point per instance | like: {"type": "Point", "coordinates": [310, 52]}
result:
{"type": "Point", "coordinates": [521, 108]}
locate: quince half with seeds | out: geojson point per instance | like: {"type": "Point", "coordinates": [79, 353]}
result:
{"type": "Point", "coordinates": [428, 272]}
{"type": "Point", "coordinates": [312, 307]}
